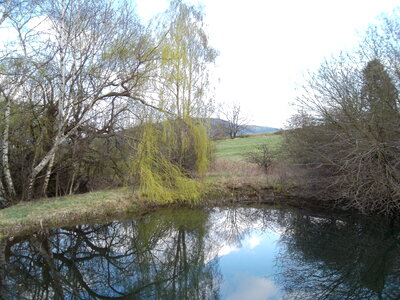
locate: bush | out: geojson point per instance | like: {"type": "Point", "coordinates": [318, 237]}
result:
{"type": "Point", "coordinates": [261, 157]}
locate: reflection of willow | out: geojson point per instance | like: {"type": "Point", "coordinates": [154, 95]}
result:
{"type": "Point", "coordinates": [326, 258]}
{"type": "Point", "coordinates": [160, 256]}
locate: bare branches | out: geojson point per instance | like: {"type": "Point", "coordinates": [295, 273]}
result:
{"type": "Point", "coordinates": [236, 121]}
{"type": "Point", "coordinates": [348, 130]}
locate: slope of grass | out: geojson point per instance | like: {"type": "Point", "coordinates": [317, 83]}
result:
{"type": "Point", "coordinates": [239, 147]}
{"type": "Point", "coordinates": [63, 210]}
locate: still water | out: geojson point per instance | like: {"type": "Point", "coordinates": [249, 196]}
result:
{"type": "Point", "coordinates": [215, 253]}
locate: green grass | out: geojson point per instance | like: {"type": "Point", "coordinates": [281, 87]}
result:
{"type": "Point", "coordinates": [63, 210]}
{"type": "Point", "coordinates": [239, 147]}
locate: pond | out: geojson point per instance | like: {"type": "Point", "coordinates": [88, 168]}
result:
{"type": "Point", "coordinates": [213, 253]}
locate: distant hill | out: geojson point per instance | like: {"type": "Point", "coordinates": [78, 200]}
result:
{"type": "Point", "coordinates": [217, 124]}
{"type": "Point", "coordinates": [254, 129]}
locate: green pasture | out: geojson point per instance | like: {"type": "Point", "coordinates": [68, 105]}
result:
{"type": "Point", "coordinates": [239, 147]}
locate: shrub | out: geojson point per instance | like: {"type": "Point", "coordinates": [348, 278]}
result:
{"type": "Point", "coordinates": [261, 157]}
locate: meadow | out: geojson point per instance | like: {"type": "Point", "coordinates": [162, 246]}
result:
{"type": "Point", "coordinates": [239, 147]}
{"type": "Point", "coordinates": [230, 164]}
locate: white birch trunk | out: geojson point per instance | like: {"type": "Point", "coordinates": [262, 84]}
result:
{"type": "Point", "coordinates": [5, 146]}
{"type": "Point", "coordinates": [60, 138]}
{"type": "Point", "coordinates": [48, 173]}
{"type": "Point", "coordinates": [43, 163]}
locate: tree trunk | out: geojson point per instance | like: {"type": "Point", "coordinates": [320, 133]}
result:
{"type": "Point", "coordinates": [71, 187]}
{"type": "Point", "coordinates": [4, 202]}
{"type": "Point", "coordinates": [39, 167]}
{"type": "Point", "coordinates": [48, 173]}
{"type": "Point", "coordinates": [5, 146]}
{"type": "Point", "coordinates": [2, 266]}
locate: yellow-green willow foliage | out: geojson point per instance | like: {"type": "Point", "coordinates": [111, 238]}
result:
{"type": "Point", "coordinates": [185, 59]}
{"type": "Point", "coordinates": [174, 149]}
{"type": "Point", "coordinates": [169, 156]}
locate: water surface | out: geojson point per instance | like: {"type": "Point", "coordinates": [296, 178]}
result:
{"type": "Point", "coordinates": [219, 253]}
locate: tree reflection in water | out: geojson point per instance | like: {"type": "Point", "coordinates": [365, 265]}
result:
{"type": "Point", "coordinates": [155, 257]}
{"type": "Point", "coordinates": [329, 258]}
{"type": "Point", "coordinates": [174, 254]}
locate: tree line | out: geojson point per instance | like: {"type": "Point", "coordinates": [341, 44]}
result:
{"type": "Point", "coordinates": [346, 132]}
{"type": "Point", "coordinates": [91, 98]}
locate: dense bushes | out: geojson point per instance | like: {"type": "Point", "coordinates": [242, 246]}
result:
{"type": "Point", "coordinates": [346, 132]}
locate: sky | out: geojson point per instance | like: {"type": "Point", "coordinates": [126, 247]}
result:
{"type": "Point", "coordinates": [267, 47]}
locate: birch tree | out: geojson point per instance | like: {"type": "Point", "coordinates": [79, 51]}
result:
{"type": "Point", "coordinates": [13, 13]}
{"type": "Point", "coordinates": [79, 67]}
{"type": "Point", "coordinates": [100, 55]}
{"type": "Point", "coordinates": [83, 59]}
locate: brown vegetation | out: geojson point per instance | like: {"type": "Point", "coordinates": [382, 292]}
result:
{"type": "Point", "coordinates": [346, 133]}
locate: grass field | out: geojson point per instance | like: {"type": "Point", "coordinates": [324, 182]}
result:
{"type": "Point", "coordinates": [230, 164]}
{"type": "Point", "coordinates": [239, 147]}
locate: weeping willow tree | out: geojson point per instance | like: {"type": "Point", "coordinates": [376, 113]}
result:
{"type": "Point", "coordinates": [173, 151]}
{"type": "Point", "coordinates": [161, 177]}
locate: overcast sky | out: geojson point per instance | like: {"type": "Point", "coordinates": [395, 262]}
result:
{"type": "Point", "coordinates": [266, 46]}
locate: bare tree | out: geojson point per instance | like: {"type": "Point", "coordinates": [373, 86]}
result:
{"type": "Point", "coordinates": [236, 121]}
{"type": "Point", "coordinates": [16, 13]}
{"type": "Point", "coordinates": [7, 7]}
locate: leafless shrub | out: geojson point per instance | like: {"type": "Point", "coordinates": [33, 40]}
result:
{"type": "Point", "coordinates": [261, 157]}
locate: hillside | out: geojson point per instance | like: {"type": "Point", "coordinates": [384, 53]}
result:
{"type": "Point", "coordinates": [255, 129]}
{"type": "Point", "coordinates": [218, 124]}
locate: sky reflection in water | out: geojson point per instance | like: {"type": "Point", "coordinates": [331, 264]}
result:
{"type": "Point", "coordinates": [248, 272]}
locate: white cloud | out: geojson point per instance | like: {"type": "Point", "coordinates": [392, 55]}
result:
{"type": "Point", "coordinates": [253, 241]}
{"type": "Point", "coordinates": [249, 287]}
{"type": "Point", "coordinates": [226, 249]}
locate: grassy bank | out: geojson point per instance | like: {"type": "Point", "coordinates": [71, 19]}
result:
{"type": "Point", "coordinates": [230, 178]}
{"type": "Point", "coordinates": [66, 210]}
{"type": "Point", "coordinates": [103, 206]}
